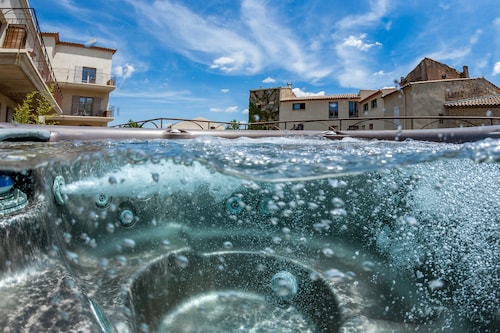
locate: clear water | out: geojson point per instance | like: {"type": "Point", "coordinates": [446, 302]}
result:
{"type": "Point", "coordinates": [233, 311]}
{"type": "Point", "coordinates": [406, 234]}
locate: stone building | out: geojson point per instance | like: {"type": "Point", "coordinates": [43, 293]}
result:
{"type": "Point", "coordinates": [432, 95]}
{"type": "Point", "coordinates": [432, 90]}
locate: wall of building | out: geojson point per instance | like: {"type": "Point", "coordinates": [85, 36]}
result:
{"type": "Point", "coordinates": [427, 98]}
{"type": "Point", "coordinates": [371, 111]}
{"type": "Point", "coordinates": [7, 106]}
{"type": "Point", "coordinates": [315, 109]}
{"type": "Point", "coordinates": [68, 61]}
{"type": "Point", "coordinates": [474, 112]}
{"type": "Point", "coordinates": [68, 97]}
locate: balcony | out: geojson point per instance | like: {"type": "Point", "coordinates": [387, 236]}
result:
{"type": "Point", "coordinates": [79, 77]}
{"type": "Point", "coordinates": [24, 62]}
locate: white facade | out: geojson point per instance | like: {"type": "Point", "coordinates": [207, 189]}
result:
{"type": "Point", "coordinates": [84, 75]}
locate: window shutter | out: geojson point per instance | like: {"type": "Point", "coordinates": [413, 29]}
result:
{"type": "Point", "coordinates": [15, 37]}
{"type": "Point", "coordinates": [75, 104]}
{"type": "Point", "coordinates": [96, 108]}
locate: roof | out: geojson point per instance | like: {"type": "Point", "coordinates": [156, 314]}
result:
{"type": "Point", "coordinates": [60, 42]}
{"type": "Point", "coordinates": [382, 92]}
{"type": "Point", "coordinates": [320, 98]}
{"type": "Point", "coordinates": [483, 101]}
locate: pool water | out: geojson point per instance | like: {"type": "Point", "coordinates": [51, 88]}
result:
{"type": "Point", "coordinates": [298, 234]}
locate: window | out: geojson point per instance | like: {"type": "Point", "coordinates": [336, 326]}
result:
{"type": "Point", "coordinates": [396, 116]}
{"type": "Point", "coordinates": [353, 109]}
{"type": "Point", "coordinates": [88, 75]}
{"type": "Point", "coordinates": [333, 109]}
{"type": "Point", "coordinates": [374, 104]}
{"type": "Point", "coordinates": [299, 106]}
{"type": "Point", "coordinates": [86, 106]}
{"type": "Point", "coordinates": [365, 107]}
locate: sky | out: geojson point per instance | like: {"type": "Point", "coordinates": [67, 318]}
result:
{"type": "Point", "coordinates": [200, 58]}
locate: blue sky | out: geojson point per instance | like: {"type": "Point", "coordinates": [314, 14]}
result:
{"type": "Point", "coordinates": [184, 59]}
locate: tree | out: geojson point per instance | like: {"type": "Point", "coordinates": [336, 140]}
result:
{"type": "Point", "coordinates": [133, 124]}
{"type": "Point", "coordinates": [233, 125]}
{"type": "Point", "coordinates": [35, 105]}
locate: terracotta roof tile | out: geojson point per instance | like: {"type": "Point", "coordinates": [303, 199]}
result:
{"type": "Point", "coordinates": [483, 101]}
{"type": "Point", "coordinates": [58, 41]}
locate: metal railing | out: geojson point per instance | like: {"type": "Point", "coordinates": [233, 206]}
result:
{"type": "Point", "coordinates": [34, 45]}
{"type": "Point", "coordinates": [327, 124]}
{"type": "Point", "coordinates": [74, 75]}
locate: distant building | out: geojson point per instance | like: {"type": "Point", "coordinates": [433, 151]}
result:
{"type": "Point", "coordinates": [429, 91]}
{"type": "Point", "coordinates": [198, 123]}
{"type": "Point", "coordinates": [79, 76]}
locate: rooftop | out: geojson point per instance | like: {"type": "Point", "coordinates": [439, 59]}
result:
{"type": "Point", "coordinates": [483, 101]}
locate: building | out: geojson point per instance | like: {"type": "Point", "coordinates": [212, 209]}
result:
{"type": "Point", "coordinates": [78, 76]}
{"type": "Point", "coordinates": [84, 77]}
{"type": "Point", "coordinates": [198, 123]}
{"type": "Point", "coordinates": [432, 95]}
{"type": "Point", "coordinates": [434, 90]}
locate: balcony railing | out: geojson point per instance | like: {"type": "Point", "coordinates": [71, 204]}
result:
{"type": "Point", "coordinates": [75, 75]}
{"type": "Point", "coordinates": [29, 39]}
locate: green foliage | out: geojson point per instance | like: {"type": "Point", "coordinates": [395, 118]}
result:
{"type": "Point", "coordinates": [34, 106]}
{"type": "Point", "coordinates": [133, 124]}
{"type": "Point", "coordinates": [233, 125]}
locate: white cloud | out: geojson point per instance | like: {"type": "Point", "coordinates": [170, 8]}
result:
{"type": "Point", "coordinates": [358, 42]}
{"type": "Point", "coordinates": [224, 90]}
{"type": "Point", "coordinates": [245, 111]}
{"type": "Point", "coordinates": [230, 109]}
{"type": "Point", "coordinates": [235, 45]}
{"type": "Point", "coordinates": [378, 9]}
{"type": "Point", "coordinates": [496, 68]}
{"type": "Point", "coordinates": [301, 93]}
{"type": "Point", "coordinates": [124, 71]}
{"type": "Point", "coordinates": [225, 64]}
{"type": "Point", "coordinates": [444, 6]}
{"type": "Point", "coordinates": [355, 71]}
{"type": "Point", "coordinates": [381, 73]}
{"type": "Point", "coordinates": [268, 80]}
{"type": "Point", "coordinates": [475, 37]}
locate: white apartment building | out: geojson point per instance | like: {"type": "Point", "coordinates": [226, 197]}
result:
{"type": "Point", "coordinates": [84, 77]}
{"type": "Point", "coordinates": [80, 76]}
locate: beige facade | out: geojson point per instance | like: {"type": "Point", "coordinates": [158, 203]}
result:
{"type": "Point", "coordinates": [34, 61]}
{"type": "Point", "coordinates": [84, 75]}
{"type": "Point", "coordinates": [198, 123]}
{"type": "Point", "coordinates": [433, 95]}
{"type": "Point", "coordinates": [429, 98]}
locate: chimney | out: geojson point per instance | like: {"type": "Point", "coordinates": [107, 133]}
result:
{"type": "Point", "coordinates": [465, 73]}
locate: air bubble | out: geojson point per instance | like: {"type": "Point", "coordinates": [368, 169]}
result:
{"type": "Point", "coordinates": [181, 261]}
{"type": "Point", "coordinates": [338, 203]}
{"type": "Point", "coordinates": [129, 243]}
{"type": "Point", "coordinates": [228, 245]}
{"type": "Point", "coordinates": [327, 252]}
